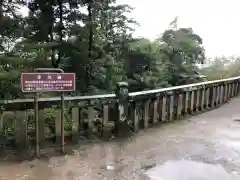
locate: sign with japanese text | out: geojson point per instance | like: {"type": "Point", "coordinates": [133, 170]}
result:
{"type": "Point", "coordinates": [48, 82]}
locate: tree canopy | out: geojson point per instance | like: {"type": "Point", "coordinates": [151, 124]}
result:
{"type": "Point", "coordinates": [221, 68]}
{"type": "Point", "coordinates": [94, 39]}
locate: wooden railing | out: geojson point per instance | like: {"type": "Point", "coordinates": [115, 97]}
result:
{"type": "Point", "coordinates": [105, 115]}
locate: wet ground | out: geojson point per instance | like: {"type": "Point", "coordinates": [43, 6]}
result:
{"type": "Point", "coordinates": [207, 146]}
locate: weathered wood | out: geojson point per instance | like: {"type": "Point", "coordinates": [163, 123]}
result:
{"type": "Point", "coordinates": [168, 106]}
{"type": "Point", "coordinates": [217, 95]}
{"type": "Point", "coordinates": [229, 90]}
{"type": "Point", "coordinates": [160, 103]}
{"type": "Point", "coordinates": [225, 92]}
{"type": "Point", "coordinates": [198, 99]}
{"type": "Point", "coordinates": [237, 88]}
{"type": "Point", "coordinates": [58, 126]}
{"type": "Point", "coordinates": [136, 117]}
{"type": "Point", "coordinates": [233, 88]}
{"type": "Point", "coordinates": [203, 98]}
{"type": "Point", "coordinates": [1, 121]}
{"type": "Point", "coordinates": [207, 97]}
{"type": "Point", "coordinates": [21, 129]}
{"type": "Point", "coordinates": [164, 108]}
{"type": "Point", "coordinates": [192, 102]}
{"type": "Point", "coordinates": [182, 87]}
{"type": "Point", "coordinates": [146, 113]}
{"type": "Point", "coordinates": [23, 104]}
{"type": "Point", "coordinates": [155, 110]}
{"type": "Point", "coordinates": [179, 106]}
{"type": "Point", "coordinates": [107, 127]}
{"type": "Point", "coordinates": [105, 116]}
{"type": "Point", "coordinates": [171, 108]}
{"type": "Point", "coordinates": [41, 125]}
{"type": "Point", "coordinates": [221, 95]}
{"type": "Point", "coordinates": [186, 102]}
{"type": "Point", "coordinates": [75, 123]}
{"type": "Point", "coordinates": [91, 115]}
{"type": "Point", "coordinates": [213, 97]}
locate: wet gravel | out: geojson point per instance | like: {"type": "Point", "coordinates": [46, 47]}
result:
{"type": "Point", "coordinates": [212, 137]}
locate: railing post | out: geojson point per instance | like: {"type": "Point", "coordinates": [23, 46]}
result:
{"type": "Point", "coordinates": [213, 96]}
{"type": "Point", "coordinates": [237, 88]}
{"type": "Point", "coordinates": [187, 104]}
{"type": "Point", "coordinates": [179, 105]}
{"type": "Point", "coordinates": [221, 93]}
{"type": "Point", "coordinates": [192, 102]}
{"type": "Point", "coordinates": [198, 98]}
{"type": "Point", "coordinates": [164, 107]}
{"type": "Point", "coordinates": [146, 113]}
{"type": "Point", "coordinates": [75, 124]}
{"type": "Point", "coordinates": [225, 92]}
{"type": "Point", "coordinates": [171, 106]}
{"type": "Point", "coordinates": [21, 129]}
{"type": "Point", "coordinates": [203, 95]}
{"type": "Point", "coordinates": [155, 109]}
{"type": "Point", "coordinates": [41, 128]}
{"type": "Point", "coordinates": [122, 103]}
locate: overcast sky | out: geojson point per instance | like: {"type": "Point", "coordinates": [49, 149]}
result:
{"type": "Point", "coordinates": [216, 21]}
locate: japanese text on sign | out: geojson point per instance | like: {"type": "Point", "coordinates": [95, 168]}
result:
{"type": "Point", "coordinates": [43, 82]}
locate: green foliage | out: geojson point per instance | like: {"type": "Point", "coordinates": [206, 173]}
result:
{"type": "Point", "coordinates": [222, 67]}
{"type": "Point", "coordinates": [94, 40]}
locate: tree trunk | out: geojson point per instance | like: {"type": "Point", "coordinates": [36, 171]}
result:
{"type": "Point", "coordinates": [60, 6]}
{"type": "Point", "coordinates": [90, 43]}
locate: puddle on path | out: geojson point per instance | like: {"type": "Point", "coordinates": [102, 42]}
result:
{"type": "Point", "coordinates": [189, 170]}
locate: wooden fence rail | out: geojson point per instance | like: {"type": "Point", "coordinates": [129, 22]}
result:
{"type": "Point", "coordinates": [105, 115]}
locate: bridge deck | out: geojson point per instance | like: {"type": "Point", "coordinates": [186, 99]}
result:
{"type": "Point", "coordinates": [212, 137]}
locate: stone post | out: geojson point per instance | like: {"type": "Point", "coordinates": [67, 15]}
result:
{"type": "Point", "coordinates": [122, 108]}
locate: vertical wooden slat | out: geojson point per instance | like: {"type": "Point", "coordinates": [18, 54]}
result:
{"type": "Point", "coordinates": [192, 102]}
{"type": "Point", "coordinates": [180, 106]}
{"type": "Point", "coordinates": [213, 97]}
{"type": "Point", "coordinates": [203, 94]}
{"type": "Point", "coordinates": [58, 126]}
{"type": "Point", "coordinates": [109, 112]}
{"type": "Point", "coordinates": [155, 110]}
{"type": "Point", "coordinates": [81, 118]}
{"type": "Point", "coordinates": [136, 117]}
{"type": "Point", "coordinates": [198, 100]}
{"type": "Point", "coordinates": [160, 108]}
{"type": "Point", "coordinates": [225, 92]}
{"type": "Point", "coordinates": [146, 113]}
{"type": "Point", "coordinates": [233, 88]}
{"type": "Point", "coordinates": [207, 97]}
{"type": "Point", "coordinates": [21, 129]}
{"type": "Point", "coordinates": [236, 89]}
{"type": "Point", "coordinates": [217, 95]}
{"type": "Point", "coordinates": [164, 108]}
{"type": "Point", "coordinates": [229, 90]}
{"type": "Point", "coordinates": [91, 115]}
{"type": "Point", "coordinates": [1, 121]}
{"type": "Point", "coordinates": [171, 108]}
{"type": "Point", "coordinates": [41, 125]}
{"type": "Point", "coordinates": [105, 115]}
{"type": "Point", "coordinates": [221, 94]}
{"type": "Point", "coordinates": [186, 103]}
{"type": "Point", "coordinates": [75, 123]}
